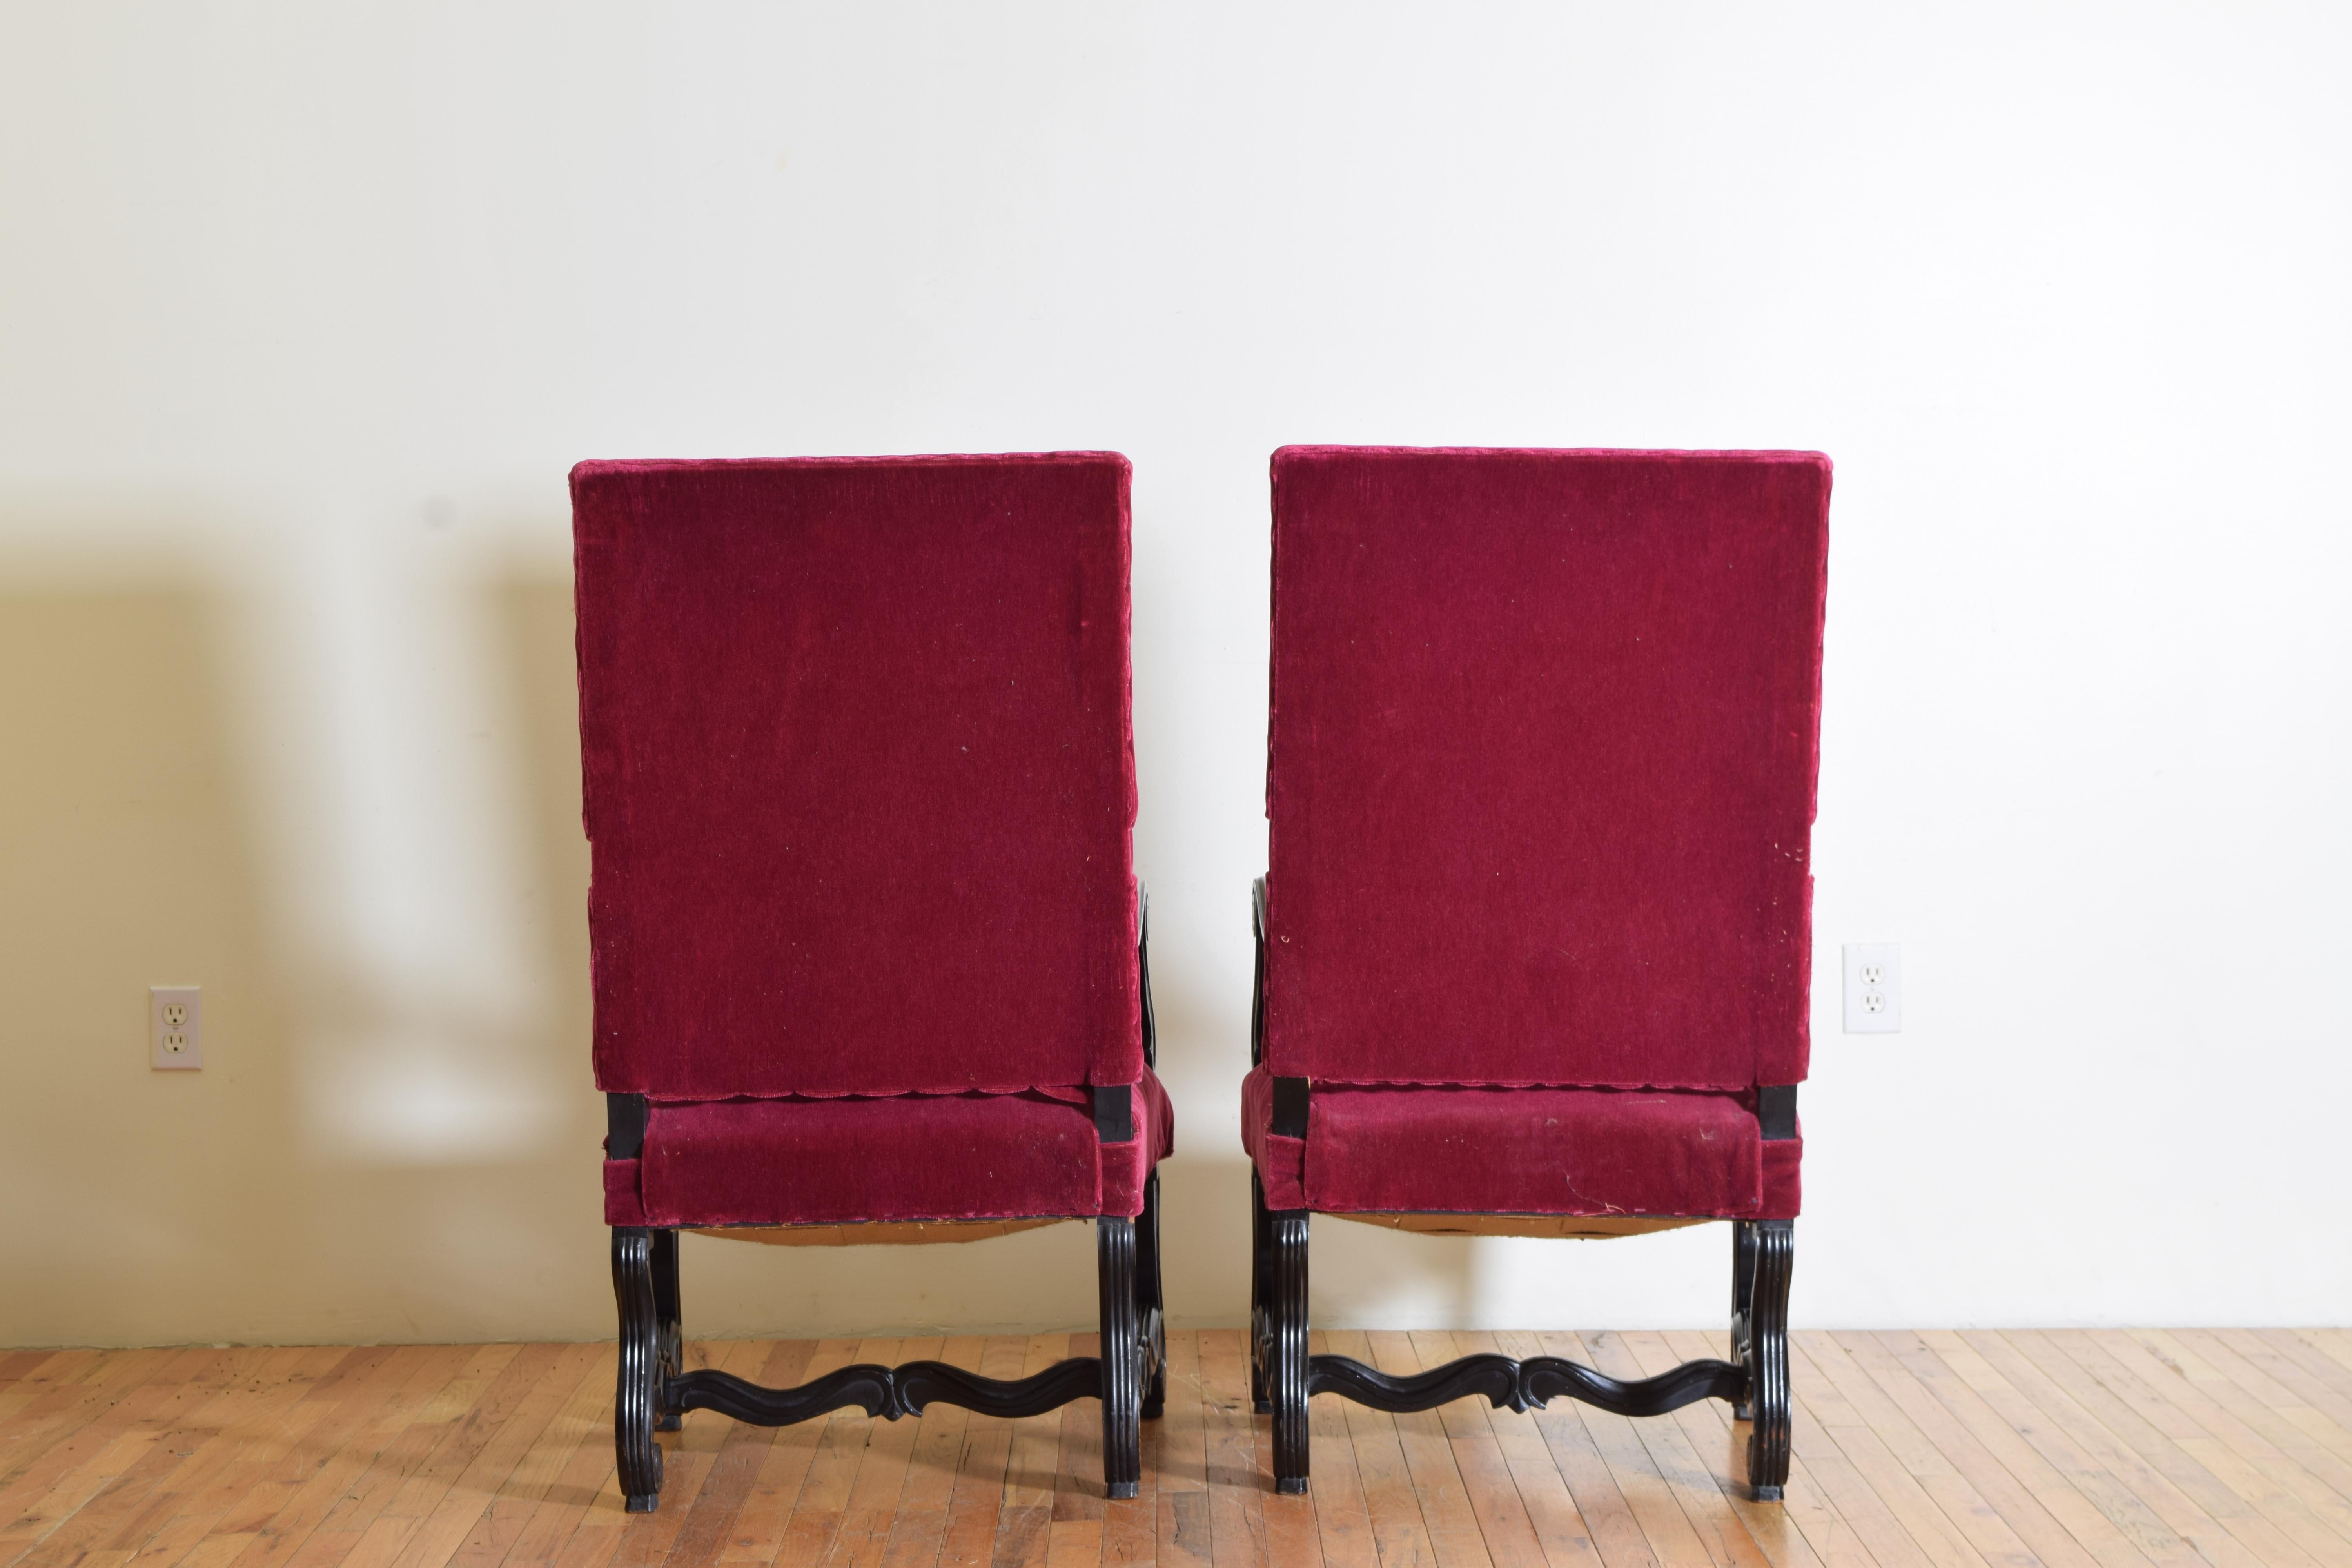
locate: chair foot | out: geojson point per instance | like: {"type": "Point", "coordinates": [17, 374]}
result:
{"type": "Point", "coordinates": [1122, 1357]}
{"type": "Point", "coordinates": [1766, 1326]}
{"type": "Point", "coordinates": [1283, 1336]}
{"type": "Point", "coordinates": [639, 1396]}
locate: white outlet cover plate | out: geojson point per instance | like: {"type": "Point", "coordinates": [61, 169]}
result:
{"type": "Point", "coordinates": [175, 1028]}
{"type": "Point", "coordinates": [1874, 988]}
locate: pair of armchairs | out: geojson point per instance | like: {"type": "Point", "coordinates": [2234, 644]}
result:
{"type": "Point", "coordinates": [868, 949]}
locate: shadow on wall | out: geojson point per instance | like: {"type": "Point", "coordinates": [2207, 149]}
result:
{"type": "Point", "coordinates": [140, 1204]}
{"type": "Point", "coordinates": [212, 1206]}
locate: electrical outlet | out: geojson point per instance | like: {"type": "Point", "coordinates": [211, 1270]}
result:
{"type": "Point", "coordinates": [175, 1026]}
{"type": "Point", "coordinates": [1874, 988]}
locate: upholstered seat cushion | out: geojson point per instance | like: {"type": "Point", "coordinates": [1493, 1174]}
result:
{"type": "Point", "coordinates": [899, 1157]}
{"type": "Point", "coordinates": [1475, 1150]}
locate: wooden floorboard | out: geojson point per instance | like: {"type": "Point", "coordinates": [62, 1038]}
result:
{"type": "Point", "coordinates": [2141, 1448]}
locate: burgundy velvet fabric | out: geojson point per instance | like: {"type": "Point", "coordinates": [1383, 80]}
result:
{"type": "Point", "coordinates": [1783, 1184]}
{"type": "Point", "coordinates": [846, 1160]}
{"type": "Point", "coordinates": [1373, 1149]}
{"type": "Point", "coordinates": [625, 1200]}
{"type": "Point", "coordinates": [1541, 767]}
{"type": "Point", "coordinates": [859, 782]}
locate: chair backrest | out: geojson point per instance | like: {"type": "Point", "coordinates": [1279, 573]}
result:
{"type": "Point", "coordinates": [1541, 765]}
{"type": "Point", "coordinates": [859, 774]}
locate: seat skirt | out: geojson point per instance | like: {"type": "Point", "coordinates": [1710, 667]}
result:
{"type": "Point", "coordinates": [852, 1160]}
{"type": "Point", "coordinates": [1462, 1149]}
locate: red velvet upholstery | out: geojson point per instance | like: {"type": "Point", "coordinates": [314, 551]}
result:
{"type": "Point", "coordinates": [1373, 1149]}
{"type": "Point", "coordinates": [859, 773]}
{"type": "Point", "coordinates": [1542, 778]}
{"type": "Point", "coordinates": [904, 1157]}
{"type": "Point", "coordinates": [1540, 787]}
{"type": "Point", "coordinates": [859, 785]}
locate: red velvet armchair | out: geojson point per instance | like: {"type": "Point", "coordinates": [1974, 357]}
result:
{"type": "Point", "coordinates": [1534, 943]}
{"type": "Point", "coordinates": [867, 945]}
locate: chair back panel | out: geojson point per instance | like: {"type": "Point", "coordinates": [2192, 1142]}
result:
{"type": "Point", "coordinates": [1541, 766]}
{"type": "Point", "coordinates": [859, 777]}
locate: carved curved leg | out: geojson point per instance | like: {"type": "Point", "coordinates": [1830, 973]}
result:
{"type": "Point", "coordinates": [1286, 1362]}
{"type": "Point", "coordinates": [1261, 1322]}
{"type": "Point", "coordinates": [640, 1392]}
{"type": "Point", "coordinates": [665, 1314]}
{"type": "Point", "coordinates": [1150, 1310]}
{"type": "Point", "coordinates": [1122, 1357]}
{"type": "Point", "coordinates": [1743, 1291]}
{"type": "Point", "coordinates": [1767, 1358]}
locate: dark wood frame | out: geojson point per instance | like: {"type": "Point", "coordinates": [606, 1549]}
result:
{"type": "Point", "coordinates": [1284, 1376]}
{"type": "Point", "coordinates": [1131, 1377]}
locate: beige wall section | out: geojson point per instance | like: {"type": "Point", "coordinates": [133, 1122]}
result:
{"type": "Point", "coordinates": [162, 1206]}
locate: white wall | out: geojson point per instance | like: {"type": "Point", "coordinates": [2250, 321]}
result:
{"type": "Point", "coordinates": [305, 310]}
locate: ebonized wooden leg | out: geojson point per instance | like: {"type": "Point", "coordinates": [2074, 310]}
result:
{"type": "Point", "coordinates": [1743, 1291]}
{"type": "Point", "coordinates": [1757, 1378]}
{"type": "Point", "coordinates": [1501, 1381]}
{"type": "Point", "coordinates": [1151, 1310]}
{"type": "Point", "coordinates": [1261, 1325]}
{"type": "Point", "coordinates": [655, 1387]}
{"type": "Point", "coordinates": [1286, 1386]}
{"type": "Point", "coordinates": [652, 1385]}
{"type": "Point", "coordinates": [665, 1314]}
{"type": "Point", "coordinates": [639, 1396]}
{"type": "Point", "coordinates": [1122, 1357]}
{"type": "Point", "coordinates": [1774, 1247]}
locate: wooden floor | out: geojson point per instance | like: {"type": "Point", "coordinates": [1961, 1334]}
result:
{"type": "Point", "coordinates": [1946, 1450]}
